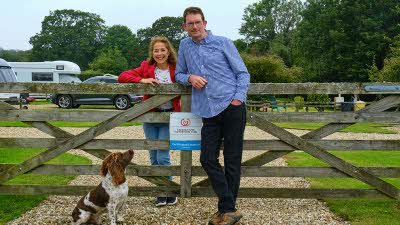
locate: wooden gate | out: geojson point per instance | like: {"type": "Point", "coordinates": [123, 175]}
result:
{"type": "Point", "coordinates": [311, 143]}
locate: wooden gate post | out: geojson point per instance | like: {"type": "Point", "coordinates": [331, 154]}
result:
{"type": "Point", "coordinates": [186, 158]}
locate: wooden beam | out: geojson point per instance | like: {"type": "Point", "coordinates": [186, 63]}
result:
{"type": "Point", "coordinates": [73, 115]}
{"type": "Point", "coordinates": [149, 172]}
{"type": "Point", "coordinates": [82, 138]}
{"type": "Point", "coordinates": [248, 145]}
{"type": "Point", "coordinates": [176, 89]}
{"type": "Point", "coordinates": [303, 193]}
{"type": "Point", "coordinates": [325, 156]}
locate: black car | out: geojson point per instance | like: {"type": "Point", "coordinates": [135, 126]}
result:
{"type": "Point", "coordinates": [120, 101]}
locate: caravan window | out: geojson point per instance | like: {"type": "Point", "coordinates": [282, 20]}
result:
{"type": "Point", "coordinates": [42, 76]}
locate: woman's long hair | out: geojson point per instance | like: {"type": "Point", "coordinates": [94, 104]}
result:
{"type": "Point", "coordinates": [172, 58]}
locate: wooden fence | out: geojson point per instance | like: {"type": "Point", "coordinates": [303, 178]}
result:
{"type": "Point", "coordinates": [311, 143]}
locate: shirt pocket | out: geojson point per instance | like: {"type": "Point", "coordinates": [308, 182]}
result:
{"type": "Point", "coordinates": [213, 54]}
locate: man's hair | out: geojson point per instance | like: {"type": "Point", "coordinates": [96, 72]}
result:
{"type": "Point", "coordinates": [172, 58]}
{"type": "Point", "coordinates": [192, 10]}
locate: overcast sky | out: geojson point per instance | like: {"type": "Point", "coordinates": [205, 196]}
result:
{"type": "Point", "coordinates": [21, 19]}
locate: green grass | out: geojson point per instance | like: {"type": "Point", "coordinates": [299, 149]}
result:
{"type": "Point", "coordinates": [64, 124]}
{"type": "Point", "coordinates": [12, 206]}
{"type": "Point", "coordinates": [357, 211]}
{"type": "Point", "coordinates": [40, 102]}
{"type": "Point", "coordinates": [355, 128]}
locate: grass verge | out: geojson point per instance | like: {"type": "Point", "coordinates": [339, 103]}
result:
{"type": "Point", "coordinates": [12, 206]}
{"type": "Point", "coordinates": [357, 211]}
{"type": "Point", "coordinates": [356, 128]}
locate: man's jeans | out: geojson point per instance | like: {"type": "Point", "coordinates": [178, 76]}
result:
{"type": "Point", "coordinates": [158, 131]}
{"type": "Point", "coordinates": [227, 126]}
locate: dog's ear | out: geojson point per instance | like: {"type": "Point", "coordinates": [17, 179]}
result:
{"type": "Point", "coordinates": [104, 165]}
{"type": "Point", "coordinates": [117, 172]}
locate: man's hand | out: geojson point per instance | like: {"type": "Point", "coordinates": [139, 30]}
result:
{"type": "Point", "coordinates": [197, 82]}
{"type": "Point", "coordinates": [151, 81]}
{"type": "Point", "coordinates": [236, 102]}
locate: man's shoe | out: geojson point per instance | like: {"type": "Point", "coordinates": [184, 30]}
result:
{"type": "Point", "coordinates": [161, 201]}
{"type": "Point", "coordinates": [216, 218]}
{"type": "Point", "coordinates": [172, 200]}
{"type": "Point", "coordinates": [231, 218]}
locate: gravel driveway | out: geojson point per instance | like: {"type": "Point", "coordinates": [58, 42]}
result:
{"type": "Point", "coordinates": [141, 210]}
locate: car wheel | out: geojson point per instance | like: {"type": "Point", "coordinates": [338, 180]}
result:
{"type": "Point", "coordinates": [64, 101]}
{"type": "Point", "coordinates": [122, 102]}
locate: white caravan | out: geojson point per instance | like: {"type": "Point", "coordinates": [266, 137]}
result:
{"type": "Point", "coordinates": [46, 72]}
{"type": "Point", "coordinates": [7, 75]}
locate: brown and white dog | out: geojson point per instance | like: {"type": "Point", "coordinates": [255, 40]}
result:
{"type": "Point", "coordinates": [109, 195]}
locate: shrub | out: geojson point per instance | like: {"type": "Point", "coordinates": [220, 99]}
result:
{"type": "Point", "coordinates": [298, 103]}
{"type": "Point", "coordinates": [270, 69]}
{"type": "Point", "coordinates": [319, 99]}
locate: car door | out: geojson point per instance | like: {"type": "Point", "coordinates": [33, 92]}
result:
{"type": "Point", "coordinates": [90, 99]}
{"type": "Point", "coordinates": [110, 80]}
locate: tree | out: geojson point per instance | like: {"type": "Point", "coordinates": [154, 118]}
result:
{"type": "Point", "coordinates": [340, 40]}
{"type": "Point", "coordinates": [15, 55]}
{"type": "Point", "coordinates": [69, 35]}
{"type": "Point", "coordinates": [270, 69]}
{"type": "Point", "coordinates": [391, 70]}
{"type": "Point", "coordinates": [122, 38]}
{"type": "Point", "coordinates": [110, 60]}
{"type": "Point", "coordinates": [169, 27]}
{"type": "Point", "coordinates": [270, 19]}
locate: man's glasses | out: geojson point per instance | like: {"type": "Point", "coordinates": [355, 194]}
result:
{"type": "Point", "coordinates": [191, 24]}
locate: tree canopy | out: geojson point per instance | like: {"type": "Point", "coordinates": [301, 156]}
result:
{"type": "Point", "coordinates": [122, 38]}
{"type": "Point", "coordinates": [340, 40]}
{"type": "Point", "coordinates": [70, 35]}
{"type": "Point", "coordinates": [110, 60]}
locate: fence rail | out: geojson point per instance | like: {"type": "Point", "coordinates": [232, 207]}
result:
{"type": "Point", "coordinates": [311, 143]}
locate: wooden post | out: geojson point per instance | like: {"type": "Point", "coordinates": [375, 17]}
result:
{"type": "Point", "coordinates": [186, 158]}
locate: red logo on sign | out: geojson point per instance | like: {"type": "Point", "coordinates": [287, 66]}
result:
{"type": "Point", "coordinates": [185, 122]}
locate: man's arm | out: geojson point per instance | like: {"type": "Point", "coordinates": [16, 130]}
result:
{"type": "Point", "coordinates": [181, 71]}
{"type": "Point", "coordinates": [182, 75]}
{"type": "Point", "coordinates": [239, 69]}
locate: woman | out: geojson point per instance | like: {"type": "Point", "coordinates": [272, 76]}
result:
{"type": "Point", "coordinates": [158, 69]}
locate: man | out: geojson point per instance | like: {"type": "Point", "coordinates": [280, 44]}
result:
{"type": "Point", "coordinates": [219, 79]}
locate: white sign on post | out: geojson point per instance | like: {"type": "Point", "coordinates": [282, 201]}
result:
{"type": "Point", "coordinates": [185, 131]}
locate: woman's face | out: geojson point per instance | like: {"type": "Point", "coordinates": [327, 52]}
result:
{"type": "Point", "coordinates": [160, 53]}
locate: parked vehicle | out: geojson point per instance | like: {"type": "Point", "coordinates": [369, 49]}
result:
{"type": "Point", "coordinates": [8, 75]}
{"type": "Point", "coordinates": [120, 101]}
{"type": "Point", "coordinates": [46, 72]}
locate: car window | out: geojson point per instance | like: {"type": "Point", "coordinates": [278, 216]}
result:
{"type": "Point", "coordinates": [110, 81]}
{"type": "Point", "coordinates": [92, 80]}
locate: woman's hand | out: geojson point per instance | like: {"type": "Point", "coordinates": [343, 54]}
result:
{"type": "Point", "coordinates": [151, 81]}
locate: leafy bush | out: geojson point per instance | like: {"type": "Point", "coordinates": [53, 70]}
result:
{"type": "Point", "coordinates": [110, 61]}
{"type": "Point", "coordinates": [270, 69]}
{"type": "Point", "coordinates": [298, 103]}
{"type": "Point", "coordinates": [319, 99]}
